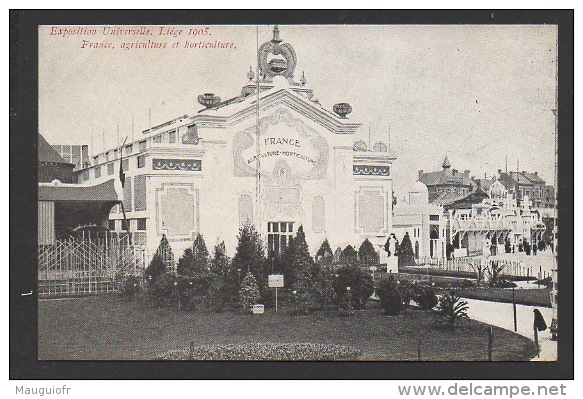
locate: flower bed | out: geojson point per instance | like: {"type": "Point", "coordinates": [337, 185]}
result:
{"type": "Point", "coordinates": [263, 351]}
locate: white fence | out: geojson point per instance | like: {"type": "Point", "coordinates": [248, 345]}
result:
{"type": "Point", "coordinates": [81, 266]}
{"type": "Point", "coordinates": [471, 264]}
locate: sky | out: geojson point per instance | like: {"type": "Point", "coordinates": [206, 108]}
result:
{"type": "Point", "coordinates": [480, 94]}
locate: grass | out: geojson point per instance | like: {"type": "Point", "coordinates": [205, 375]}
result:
{"type": "Point", "coordinates": [106, 328]}
{"type": "Point", "coordinates": [532, 297]}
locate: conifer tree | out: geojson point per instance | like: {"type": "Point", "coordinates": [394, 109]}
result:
{"type": "Point", "coordinates": [248, 293]}
{"type": "Point", "coordinates": [406, 254]}
{"type": "Point", "coordinates": [367, 255]}
{"type": "Point", "coordinates": [250, 255]}
{"type": "Point", "coordinates": [323, 280]}
{"type": "Point", "coordinates": [324, 250]}
{"type": "Point", "coordinates": [186, 272]}
{"type": "Point", "coordinates": [301, 264]}
{"type": "Point", "coordinates": [286, 262]}
{"type": "Point", "coordinates": [337, 256]}
{"type": "Point", "coordinates": [162, 260]}
{"type": "Point", "coordinates": [220, 262]}
{"type": "Point", "coordinates": [201, 255]}
{"type": "Point", "coordinates": [349, 255]}
{"type": "Point", "coordinates": [186, 264]}
{"type": "Point", "coordinates": [159, 276]}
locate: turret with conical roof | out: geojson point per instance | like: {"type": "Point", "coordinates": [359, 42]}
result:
{"type": "Point", "coordinates": [446, 164]}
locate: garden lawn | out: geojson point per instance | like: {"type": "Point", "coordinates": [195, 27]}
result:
{"type": "Point", "coordinates": [107, 328]}
{"type": "Point", "coordinates": [532, 297]}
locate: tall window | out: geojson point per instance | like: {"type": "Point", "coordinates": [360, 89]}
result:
{"type": "Point", "coordinates": [141, 224]}
{"type": "Point", "coordinates": [278, 235]}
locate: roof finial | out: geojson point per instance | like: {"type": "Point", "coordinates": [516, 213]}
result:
{"type": "Point", "coordinates": [446, 164]}
{"type": "Point", "coordinates": [276, 34]}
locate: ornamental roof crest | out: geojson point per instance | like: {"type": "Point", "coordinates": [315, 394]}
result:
{"type": "Point", "coordinates": [276, 59]}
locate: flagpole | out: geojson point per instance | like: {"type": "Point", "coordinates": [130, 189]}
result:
{"type": "Point", "coordinates": [122, 178]}
{"type": "Point", "coordinates": [257, 148]}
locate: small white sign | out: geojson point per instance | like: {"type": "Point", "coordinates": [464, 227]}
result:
{"type": "Point", "coordinates": [275, 280]}
{"type": "Point", "coordinates": [372, 268]}
{"type": "Point", "coordinates": [258, 309]}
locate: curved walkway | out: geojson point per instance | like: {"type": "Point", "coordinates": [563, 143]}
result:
{"type": "Point", "coordinates": [501, 315]}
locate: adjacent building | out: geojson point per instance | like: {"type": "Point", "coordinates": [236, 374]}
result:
{"type": "Point", "coordinates": [64, 206]}
{"type": "Point", "coordinates": [425, 223]}
{"type": "Point", "coordinates": [521, 185]}
{"type": "Point", "coordinates": [76, 154]}
{"type": "Point", "coordinates": [447, 183]}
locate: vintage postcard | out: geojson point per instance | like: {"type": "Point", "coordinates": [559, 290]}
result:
{"type": "Point", "coordinates": [297, 192]}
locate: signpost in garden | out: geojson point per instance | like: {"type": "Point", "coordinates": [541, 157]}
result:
{"type": "Point", "coordinates": [275, 281]}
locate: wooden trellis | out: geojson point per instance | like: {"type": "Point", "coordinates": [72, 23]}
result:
{"type": "Point", "coordinates": [82, 266]}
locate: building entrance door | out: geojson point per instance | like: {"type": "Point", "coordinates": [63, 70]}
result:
{"type": "Point", "coordinates": [278, 236]}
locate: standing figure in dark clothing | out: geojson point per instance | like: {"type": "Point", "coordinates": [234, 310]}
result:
{"type": "Point", "coordinates": [539, 321]}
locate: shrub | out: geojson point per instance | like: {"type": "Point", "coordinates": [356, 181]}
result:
{"type": "Point", "coordinates": [504, 283]}
{"type": "Point", "coordinates": [214, 298]}
{"type": "Point", "coordinates": [128, 286]}
{"type": "Point", "coordinates": [248, 293]}
{"type": "Point", "coordinates": [407, 289]}
{"type": "Point", "coordinates": [162, 291]}
{"type": "Point", "coordinates": [346, 305]}
{"type": "Point", "coordinates": [451, 309]}
{"type": "Point", "coordinates": [494, 271]}
{"type": "Point", "coordinates": [390, 298]}
{"type": "Point", "coordinates": [323, 282]}
{"type": "Point", "coordinates": [359, 281]}
{"type": "Point", "coordinates": [547, 282]}
{"type": "Point", "coordinates": [425, 297]}
{"type": "Point", "coordinates": [302, 297]}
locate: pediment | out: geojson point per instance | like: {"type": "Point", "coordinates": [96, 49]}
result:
{"type": "Point", "coordinates": [236, 113]}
